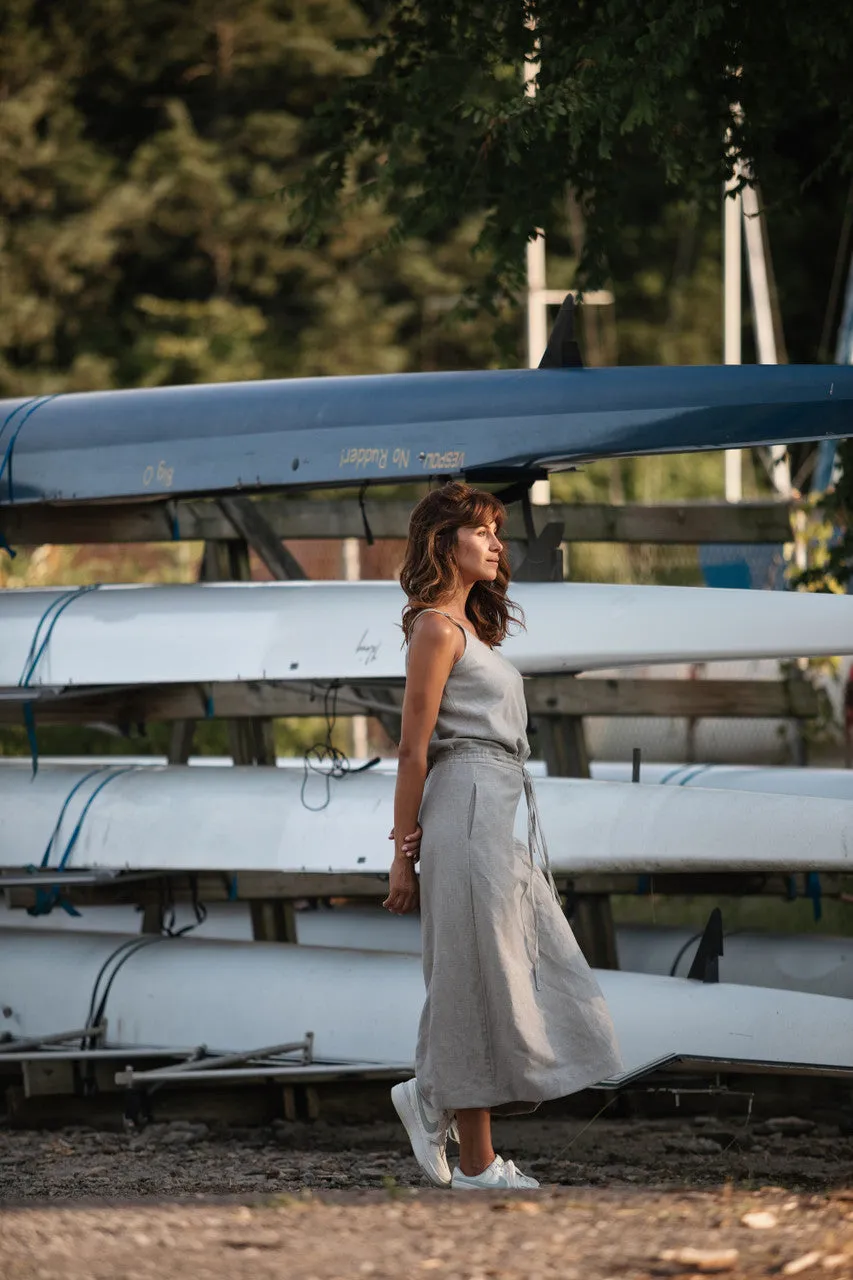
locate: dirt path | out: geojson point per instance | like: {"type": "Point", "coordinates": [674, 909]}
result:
{"type": "Point", "coordinates": [314, 1202]}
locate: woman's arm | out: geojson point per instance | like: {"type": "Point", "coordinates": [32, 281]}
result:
{"type": "Point", "coordinates": [434, 648]}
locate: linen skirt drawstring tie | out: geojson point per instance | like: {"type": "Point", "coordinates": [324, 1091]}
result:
{"type": "Point", "coordinates": [537, 845]}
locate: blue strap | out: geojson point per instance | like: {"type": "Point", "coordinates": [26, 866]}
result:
{"type": "Point", "coordinates": [60, 866]}
{"type": "Point", "coordinates": [16, 410]}
{"type": "Point", "coordinates": [47, 899]}
{"type": "Point", "coordinates": [57, 607]}
{"type": "Point", "coordinates": [45, 862]}
{"type": "Point", "coordinates": [7, 456]}
{"type": "Point", "coordinates": [30, 726]}
{"type": "Point", "coordinates": [690, 774]}
{"type": "Point", "coordinates": [4, 546]}
{"type": "Point", "coordinates": [673, 773]}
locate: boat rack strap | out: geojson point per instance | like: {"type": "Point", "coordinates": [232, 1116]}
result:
{"type": "Point", "coordinates": [47, 899]}
{"type": "Point", "coordinates": [51, 614]}
{"type": "Point", "coordinates": [32, 405]}
{"type": "Point", "coordinates": [117, 958]}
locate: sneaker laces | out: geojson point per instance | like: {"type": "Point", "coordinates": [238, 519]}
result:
{"type": "Point", "coordinates": [511, 1173]}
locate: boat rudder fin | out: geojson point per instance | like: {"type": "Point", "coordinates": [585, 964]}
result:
{"type": "Point", "coordinates": [706, 962]}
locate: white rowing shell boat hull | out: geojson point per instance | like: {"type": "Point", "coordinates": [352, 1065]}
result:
{"type": "Point", "coordinates": [790, 962]}
{"type": "Point", "coordinates": [363, 1006]}
{"type": "Point", "coordinates": [138, 634]}
{"type": "Point", "coordinates": [787, 961]}
{"type": "Point", "coordinates": [250, 819]}
{"type": "Point", "coordinates": [832, 784]}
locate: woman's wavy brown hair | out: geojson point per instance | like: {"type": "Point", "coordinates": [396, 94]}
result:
{"type": "Point", "coordinates": [429, 570]}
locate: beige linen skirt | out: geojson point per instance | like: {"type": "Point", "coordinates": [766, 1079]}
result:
{"type": "Point", "coordinates": [513, 1014]}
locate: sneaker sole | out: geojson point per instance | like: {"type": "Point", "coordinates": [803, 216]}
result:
{"type": "Point", "coordinates": [473, 1186]}
{"type": "Point", "coordinates": [409, 1120]}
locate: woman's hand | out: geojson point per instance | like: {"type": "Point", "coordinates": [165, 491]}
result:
{"type": "Point", "coordinates": [403, 891]}
{"type": "Point", "coordinates": [411, 843]}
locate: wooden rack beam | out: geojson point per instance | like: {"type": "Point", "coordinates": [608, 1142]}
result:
{"type": "Point", "coordinates": [331, 517]}
{"type": "Point", "coordinates": [271, 886]}
{"type": "Point", "coordinates": [546, 696]}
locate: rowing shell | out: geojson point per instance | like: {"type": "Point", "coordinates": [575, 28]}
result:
{"type": "Point", "coordinates": [832, 784]}
{"type": "Point", "coordinates": [300, 631]}
{"type": "Point", "coordinates": [363, 1006]}
{"type": "Point", "coordinates": [806, 962]}
{"type": "Point", "coordinates": [248, 819]}
{"type": "Point", "coordinates": [506, 423]}
{"type": "Point", "coordinates": [836, 784]}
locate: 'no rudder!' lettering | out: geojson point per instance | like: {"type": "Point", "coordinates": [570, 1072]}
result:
{"type": "Point", "coordinates": [400, 459]}
{"type": "Point", "coordinates": [361, 458]}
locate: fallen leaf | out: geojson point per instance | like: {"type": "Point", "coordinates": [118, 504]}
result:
{"type": "Point", "coordinates": [760, 1220]}
{"type": "Point", "coordinates": [802, 1263]}
{"type": "Point", "coordinates": [707, 1261]}
{"type": "Point", "coordinates": [516, 1206]}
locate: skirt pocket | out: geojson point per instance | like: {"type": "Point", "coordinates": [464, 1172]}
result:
{"type": "Point", "coordinates": [472, 809]}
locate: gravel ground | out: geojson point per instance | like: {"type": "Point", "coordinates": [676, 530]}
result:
{"type": "Point", "coordinates": [623, 1199]}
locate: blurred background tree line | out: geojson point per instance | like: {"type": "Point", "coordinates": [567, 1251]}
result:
{"type": "Point", "coordinates": [149, 154]}
{"type": "Point", "coordinates": [146, 236]}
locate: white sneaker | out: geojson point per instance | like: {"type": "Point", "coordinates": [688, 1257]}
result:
{"type": "Point", "coordinates": [500, 1175]}
{"type": "Point", "coordinates": [427, 1130]}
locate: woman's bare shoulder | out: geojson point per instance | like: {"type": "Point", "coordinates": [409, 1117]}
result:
{"type": "Point", "coordinates": [434, 632]}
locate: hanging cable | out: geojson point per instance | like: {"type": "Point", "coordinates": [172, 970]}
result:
{"type": "Point", "coordinates": [168, 913]}
{"type": "Point", "coordinates": [122, 953]}
{"type": "Point", "coordinates": [368, 532]}
{"type": "Point", "coordinates": [324, 758]}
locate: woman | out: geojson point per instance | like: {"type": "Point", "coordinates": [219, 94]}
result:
{"type": "Point", "coordinates": [513, 1014]}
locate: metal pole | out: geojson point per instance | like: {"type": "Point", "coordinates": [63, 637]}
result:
{"type": "Point", "coordinates": [352, 573]}
{"type": "Point", "coordinates": [537, 306]}
{"type": "Point", "coordinates": [762, 316]}
{"type": "Point", "coordinates": [732, 320]}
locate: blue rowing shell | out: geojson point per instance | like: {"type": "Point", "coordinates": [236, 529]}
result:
{"type": "Point", "coordinates": [314, 432]}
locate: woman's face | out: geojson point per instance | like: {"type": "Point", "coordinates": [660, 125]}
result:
{"type": "Point", "coordinates": [477, 550]}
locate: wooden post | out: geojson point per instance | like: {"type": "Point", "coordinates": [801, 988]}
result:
{"type": "Point", "coordinates": [152, 918]}
{"type": "Point", "coordinates": [562, 742]}
{"type": "Point", "coordinates": [273, 920]}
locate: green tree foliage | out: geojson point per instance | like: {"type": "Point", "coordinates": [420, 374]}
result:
{"type": "Point", "coordinates": [143, 237]}
{"type": "Point", "coordinates": [151, 154]}
{"type": "Point", "coordinates": [640, 105]}
{"type": "Point", "coordinates": [440, 124]}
